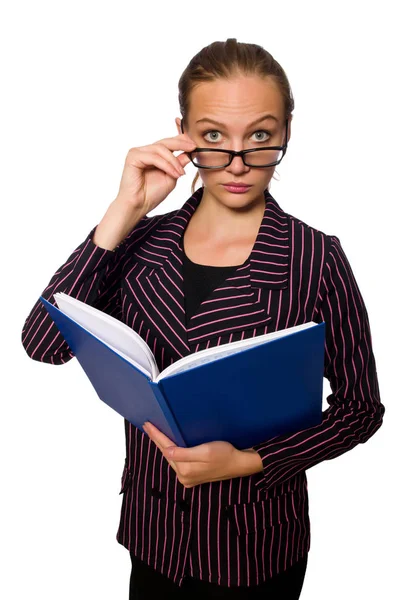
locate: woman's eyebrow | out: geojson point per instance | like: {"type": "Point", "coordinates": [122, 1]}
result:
{"type": "Point", "coordinates": [268, 116]}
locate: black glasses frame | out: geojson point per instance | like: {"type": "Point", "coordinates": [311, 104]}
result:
{"type": "Point", "coordinates": [242, 153]}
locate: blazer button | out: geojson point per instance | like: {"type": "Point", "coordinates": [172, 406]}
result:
{"type": "Point", "coordinates": [156, 493]}
{"type": "Point", "coordinates": [184, 505]}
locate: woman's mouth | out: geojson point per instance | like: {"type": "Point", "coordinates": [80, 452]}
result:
{"type": "Point", "coordinates": [236, 189]}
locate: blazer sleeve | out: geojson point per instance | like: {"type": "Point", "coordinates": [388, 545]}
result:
{"type": "Point", "coordinates": [355, 410]}
{"type": "Point", "coordinates": [90, 274]}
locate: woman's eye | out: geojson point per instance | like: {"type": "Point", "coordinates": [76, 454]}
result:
{"type": "Point", "coordinates": [214, 131]}
{"type": "Point", "coordinates": [263, 131]}
{"type": "Point", "coordinates": [211, 131]}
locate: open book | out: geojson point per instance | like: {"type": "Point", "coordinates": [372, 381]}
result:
{"type": "Point", "coordinates": [243, 392]}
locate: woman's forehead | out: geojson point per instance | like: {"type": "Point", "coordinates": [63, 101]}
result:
{"type": "Point", "coordinates": [242, 99]}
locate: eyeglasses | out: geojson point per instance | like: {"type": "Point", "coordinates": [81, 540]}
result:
{"type": "Point", "coordinates": [214, 158]}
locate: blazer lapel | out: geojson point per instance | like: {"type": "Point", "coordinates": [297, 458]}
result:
{"type": "Point", "coordinates": [237, 305]}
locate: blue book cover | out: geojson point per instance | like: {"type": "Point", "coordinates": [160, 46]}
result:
{"type": "Point", "coordinates": [244, 398]}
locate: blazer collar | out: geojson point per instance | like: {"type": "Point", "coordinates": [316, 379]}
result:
{"type": "Point", "coordinates": [237, 306]}
{"type": "Point", "coordinates": [267, 266]}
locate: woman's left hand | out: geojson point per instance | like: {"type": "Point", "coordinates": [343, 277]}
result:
{"type": "Point", "coordinates": [211, 461]}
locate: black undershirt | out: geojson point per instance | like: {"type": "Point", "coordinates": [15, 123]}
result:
{"type": "Point", "coordinates": [199, 281]}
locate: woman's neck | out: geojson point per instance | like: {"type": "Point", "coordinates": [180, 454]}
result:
{"type": "Point", "coordinates": [222, 224]}
{"type": "Point", "coordinates": [218, 235]}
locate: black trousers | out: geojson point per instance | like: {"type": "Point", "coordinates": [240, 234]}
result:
{"type": "Point", "coordinates": [146, 583]}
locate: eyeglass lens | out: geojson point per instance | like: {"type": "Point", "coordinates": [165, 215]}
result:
{"type": "Point", "coordinates": [259, 158]}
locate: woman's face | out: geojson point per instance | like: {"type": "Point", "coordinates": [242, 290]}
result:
{"type": "Point", "coordinates": [236, 106]}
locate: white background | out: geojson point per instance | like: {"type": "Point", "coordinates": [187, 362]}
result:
{"type": "Point", "coordinates": [84, 81]}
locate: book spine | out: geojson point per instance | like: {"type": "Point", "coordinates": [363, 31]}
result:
{"type": "Point", "coordinates": [170, 418]}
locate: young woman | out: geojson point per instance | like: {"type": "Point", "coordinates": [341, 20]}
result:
{"type": "Point", "coordinates": [213, 521]}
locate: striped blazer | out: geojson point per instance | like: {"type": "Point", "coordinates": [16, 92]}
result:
{"type": "Point", "coordinates": [240, 531]}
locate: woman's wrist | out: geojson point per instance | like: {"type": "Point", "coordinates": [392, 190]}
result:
{"type": "Point", "coordinates": [249, 462]}
{"type": "Point", "coordinates": [119, 219]}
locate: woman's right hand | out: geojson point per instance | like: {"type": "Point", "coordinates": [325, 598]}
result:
{"type": "Point", "coordinates": [151, 172]}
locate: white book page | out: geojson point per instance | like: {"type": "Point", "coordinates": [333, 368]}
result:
{"type": "Point", "coordinates": [119, 336]}
{"type": "Point", "coordinates": [210, 354]}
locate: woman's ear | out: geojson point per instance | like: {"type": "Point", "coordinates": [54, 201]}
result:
{"type": "Point", "coordinates": [178, 125]}
{"type": "Point", "coordinates": [289, 127]}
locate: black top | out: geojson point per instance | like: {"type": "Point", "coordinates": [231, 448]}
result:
{"type": "Point", "coordinates": [199, 281]}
